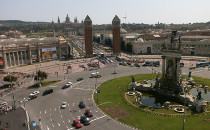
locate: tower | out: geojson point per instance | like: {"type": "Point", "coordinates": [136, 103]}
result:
{"type": "Point", "coordinates": [59, 20]}
{"type": "Point", "coordinates": [116, 35]}
{"type": "Point", "coordinates": [75, 20]}
{"type": "Point", "coordinates": [68, 29]}
{"type": "Point", "coordinates": [171, 65]}
{"type": "Point", "coordinates": [88, 37]}
{"type": "Point", "coordinates": [67, 19]}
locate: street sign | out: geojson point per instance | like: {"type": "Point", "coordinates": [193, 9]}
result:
{"type": "Point", "coordinates": [34, 124]}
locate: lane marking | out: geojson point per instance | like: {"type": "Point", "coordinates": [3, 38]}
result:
{"type": "Point", "coordinates": [55, 109]}
{"type": "Point", "coordinates": [45, 112]}
{"type": "Point", "coordinates": [53, 125]}
{"type": "Point", "coordinates": [69, 120]}
{"type": "Point", "coordinates": [61, 116]}
{"type": "Point", "coordinates": [98, 118]}
{"type": "Point", "coordinates": [59, 124]}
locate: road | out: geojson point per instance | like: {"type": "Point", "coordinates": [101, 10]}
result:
{"type": "Point", "coordinates": [47, 108]}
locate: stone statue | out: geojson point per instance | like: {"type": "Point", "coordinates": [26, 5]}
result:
{"type": "Point", "coordinates": [199, 95]}
{"type": "Point", "coordinates": [133, 80]}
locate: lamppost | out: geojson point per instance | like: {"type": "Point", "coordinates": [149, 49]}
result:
{"type": "Point", "coordinates": [13, 96]}
{"type": "Point", "coordinates": [184, 106]}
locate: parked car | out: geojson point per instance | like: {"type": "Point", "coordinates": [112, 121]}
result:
{"type": "Point", "coordinates": [77, 123]}
{"type": "Point", "coordinates": [85, 120]}
{"type": "Point", "coordinates": [48, 91]}
{"type": "Point", "coordinates": [79, 79]}
{"type": "Point", "coordinates": [63, 105]}
{"type": "Point", "coordinates": [81, 104]}
{"type": "Point", "coordinates": [88, 113]}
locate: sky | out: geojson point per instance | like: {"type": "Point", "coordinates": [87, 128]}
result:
{"type": "Point", "coordinates": [103, 11]}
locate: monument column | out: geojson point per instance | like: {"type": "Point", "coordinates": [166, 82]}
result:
{"type": "Point", "coordinates": [116, 35]}
{"type": "Point", "coordinates": [88, 37]}
{"type": "Point", "coordinates": [163, 66]}
{"type": "Point", "coordinates": [178, 69]}
{"type": "Point", "coordinates": [18, 60]}
{"type": "Point", "coordinates": [13, 58]}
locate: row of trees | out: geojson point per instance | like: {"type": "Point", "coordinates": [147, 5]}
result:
{"type": "Point", "coordinates": [41, 75]}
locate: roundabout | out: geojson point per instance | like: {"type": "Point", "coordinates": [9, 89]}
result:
{"type": "Point", "coordinates": [137, 115]}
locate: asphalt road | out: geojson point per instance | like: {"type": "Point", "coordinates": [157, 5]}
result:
{"type": "Point", "coordinates": [47, 108]}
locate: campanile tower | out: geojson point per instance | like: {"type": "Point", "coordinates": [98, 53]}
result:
{"type": "Point", "coordinates": [88, 37]}
{"type": "Point", "coordinates": [116, 35]}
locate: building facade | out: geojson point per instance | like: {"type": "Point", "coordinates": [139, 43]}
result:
{"type": "Point", "coordinates": [15, 52]}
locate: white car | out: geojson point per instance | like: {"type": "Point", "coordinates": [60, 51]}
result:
{"type": "Point", "coordinates": [34, 93]}
{"type": "Point", "coordinates": [63, 105]}
{"type": "Point", "coordinates": [70, 83]}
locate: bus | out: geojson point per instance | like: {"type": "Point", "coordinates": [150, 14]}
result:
{"type": "Point", "coordinates": [202, 64]}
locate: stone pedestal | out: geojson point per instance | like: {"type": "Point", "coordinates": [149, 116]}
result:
{"type": "Point", "coordinates": [132, 86]}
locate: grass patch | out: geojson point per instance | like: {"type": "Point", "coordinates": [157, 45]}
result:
{"type": "Point", "coordinates": [114, 90]}
{"type": "Point", "coordinates": [43, 84]}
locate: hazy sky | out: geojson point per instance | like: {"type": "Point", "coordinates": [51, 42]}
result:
{"type": "Point", "coordinates": [103, 11]}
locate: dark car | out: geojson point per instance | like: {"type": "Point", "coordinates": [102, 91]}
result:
{"type": "Point", "coordinates": [48, 91]}
{"type": "Point", "coordinates": [88, 113]}
{"type": "Point", "coordinates": [32, 96]}
{"type": "Point", "coordinates": [85, 120]}
{"type": "Point", "coordinates": [79, 79]}
{"type": "Point", "coordinates": [66, 86]}
{"type": "Point", "coordinates": [81, 104]}
{"type": "Point", "coordinates": [145, 65]}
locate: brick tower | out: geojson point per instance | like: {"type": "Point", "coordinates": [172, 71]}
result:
{"type": "Point", "coordinates": [88, 37]}
{"type": "Point", "coordinates": [116, 35]}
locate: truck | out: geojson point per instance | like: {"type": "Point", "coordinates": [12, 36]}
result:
{"type": "Point", "coordinates": [95, 75]}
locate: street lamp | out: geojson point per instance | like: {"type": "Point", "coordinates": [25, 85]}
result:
{"type": "Point", "coordinates": [184, 106]}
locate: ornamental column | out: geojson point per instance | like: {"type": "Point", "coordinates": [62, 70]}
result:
{"type": "Point", "coordinates": [13, 58]}
{"type": "Point", "coordinates": [163, 66]}
{"type": "Point", "coordinates": [88, 37]}
{"type": "Point", "coordinates": [116, 35]}
{"type": "Point", "coordinates": [29, 55]}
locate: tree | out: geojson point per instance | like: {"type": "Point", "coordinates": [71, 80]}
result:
{"type": "Point", "coordinates": [8, 77]}
{"type": "Point", "coordinates": [108, 42]}
{"type": "Point", "coordinates": [41, 75]}
{"type": "Point", "coordinates": [129, 47]}
{"type": "Point", "coordinates": [123, 46]}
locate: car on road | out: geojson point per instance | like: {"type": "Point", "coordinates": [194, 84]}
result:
{"type": "Point", "coordinates": [77, 123]}
{"type": "Point", "coordinates": [65, 86]}
{"type": "Point", "coordinates": [81, 104]}
{"type": "Point", "coordinates": [79, 79]}
{"type": "Point", "coordinates": [88, 113]}
{"type": "Point", "coordinates": [32, 97]}
{"type": "Point", "coordinates": [191, 68]}
{"type": "Point", "coordinates": [48, 91]}
{"type": "Point", "coordinates": [114, 72]}
{"type": "Point", "coordinates": [85, 120]}
{"type": "Point", "coordinates": [34, 93]}
{"type": "Point", "coordinates": [63, 105]}
{"type": "Point", "coordinates": [70, 83]}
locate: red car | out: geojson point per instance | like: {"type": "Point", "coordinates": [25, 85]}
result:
{"type": "Point", "coordinates": [77, 123]}
{"type": "Point", "coordinates": [88, 113]}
